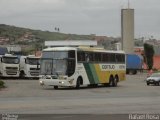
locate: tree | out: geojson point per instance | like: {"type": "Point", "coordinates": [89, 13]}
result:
{"type": "Point", "coordinates": [149, 53]}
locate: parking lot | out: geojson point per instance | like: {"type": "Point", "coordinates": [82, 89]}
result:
{"type": "Point", "coordinates": [131, 96]}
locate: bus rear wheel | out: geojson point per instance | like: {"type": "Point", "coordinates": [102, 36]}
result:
{"type": "Point", "coordinates": [113, 81]}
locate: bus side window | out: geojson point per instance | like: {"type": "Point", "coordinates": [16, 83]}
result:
{"type": "Point", "coordinates": [91, 57]}
{"type": "Point", "coordinates": [120, 58]}
{"type": "Point", "coordinates": [71, 54]}
{"type": "Point", "coordinates": [71, 67]}
{"type": "Point", "coordinates": [112, 58]}
{"type": "Point", "coordinates": [105, 57]}
{"type": "Point", "coordinates": [123, 58]}
{"type": "Point", "coordinates": [87, 57]}
{"type": "Point", "coordinates": [80, 56]}
{"type": "Point", "coordinates": [97, 57]}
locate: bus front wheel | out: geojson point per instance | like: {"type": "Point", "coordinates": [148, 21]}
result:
{"type": "Point", "coordinates": [78, 83]}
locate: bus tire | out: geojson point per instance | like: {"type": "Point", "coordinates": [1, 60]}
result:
{"type": "Point", "coordinates": [78, 83]}
{"type": "Point", "coordinates": [55, 87]}
{"type": "Point", "coordinates": [111, 81]}
{"type": "Point", "coordinates": [115, 82]}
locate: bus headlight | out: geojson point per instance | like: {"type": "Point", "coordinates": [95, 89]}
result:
{"type": "Point", "coordinates": [61, 82]}
{"type": "Point", "coordinates": [41, 82]}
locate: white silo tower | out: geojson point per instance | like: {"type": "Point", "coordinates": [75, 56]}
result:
{"type": "Point", "coordinates": [127, 29]}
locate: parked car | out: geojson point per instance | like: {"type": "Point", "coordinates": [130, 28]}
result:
{"type": "Point", "coordinates": [153, 79]}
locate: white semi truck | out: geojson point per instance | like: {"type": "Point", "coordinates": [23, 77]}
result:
{"type": "Point", "coordinates": [9, 65]}
{"type": "Point", "coordinates": [29, 66]}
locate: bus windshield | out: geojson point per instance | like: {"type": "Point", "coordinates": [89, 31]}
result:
{"type": "Point", "coordinates": [58, 63]}
{"type": "Point", "coordinates": [10, 60]}
{"type": "Point", "coordinates": [54, 63]}
{"type": "Point", "coordinates": [33, 61]}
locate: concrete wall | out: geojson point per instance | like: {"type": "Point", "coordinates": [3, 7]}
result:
{"type": "Point", "coordinates": [127, 30]}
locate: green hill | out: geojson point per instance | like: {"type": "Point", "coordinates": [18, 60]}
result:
{"type": "Point", "coordinates": [33, 39]}
{"type": "Point", "coordinates": [17, 35]}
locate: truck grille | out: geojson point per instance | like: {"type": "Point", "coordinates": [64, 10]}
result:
{"type": "Point", "coordinates": [34, 68]}
{"type": "Point", "coordinates": [34, 73]}
{"type": "Point", "coordinates": [11, 72]}
{"type": "Point", "coordinates": [11, 68]}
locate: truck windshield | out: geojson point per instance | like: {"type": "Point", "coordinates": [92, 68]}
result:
{"type": "Point", "coordinates": [10, 60]}
{"type": "Point", "coordinates": [33, 61]}
{"type": "Point", "coordinates": [56, 63]}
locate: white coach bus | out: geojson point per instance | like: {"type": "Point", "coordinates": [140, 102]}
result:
{"type": "Point", "coordinates": [77, 66]}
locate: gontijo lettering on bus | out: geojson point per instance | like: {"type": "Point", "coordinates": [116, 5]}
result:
{"type": "Point", "coordinates": [105, 67]}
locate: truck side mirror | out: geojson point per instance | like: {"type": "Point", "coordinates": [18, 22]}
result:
{"type": "Point", "coordinates": [25, 60]}
{"type": "Point", "coordinates": [37, 65]}
{"type": "Point", "coordinates": [1, 59]}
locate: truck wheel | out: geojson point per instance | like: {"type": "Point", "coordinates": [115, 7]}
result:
{"type": "Point", "coordinates": [22, 75]}
{"type": "Point", "coordinates": [134, 72]}
{"type": "Point", "coordinates": [147, 83]}
{"type": "Point", "coordinates": [127, 71]}
{"type": "Point", "coordinates": [55, 87]}
{"type": "Point", "coordinates": [157, 84]}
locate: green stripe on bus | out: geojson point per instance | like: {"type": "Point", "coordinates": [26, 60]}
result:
{"type": "Point", "coordinates": [89, 73]}
{"type": "Point", "coordinates": [94, 74]}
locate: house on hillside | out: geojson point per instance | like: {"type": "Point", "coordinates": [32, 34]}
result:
{"type": "Point", "coordinates": [4, 40]}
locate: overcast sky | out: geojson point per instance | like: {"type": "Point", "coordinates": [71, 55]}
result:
{"type": "Point", "coordinates": [100, 17]}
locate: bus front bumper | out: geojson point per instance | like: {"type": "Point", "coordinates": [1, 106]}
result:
{"type": "Point", "coordinates": [56, 82]}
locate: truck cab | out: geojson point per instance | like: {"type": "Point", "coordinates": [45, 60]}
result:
{"type": "Point", "coordinates": [29, 66]}
{"type": "Point", "coordinates": [134, 63]}
{"type": "Point", "coordinates": [9, 65]}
